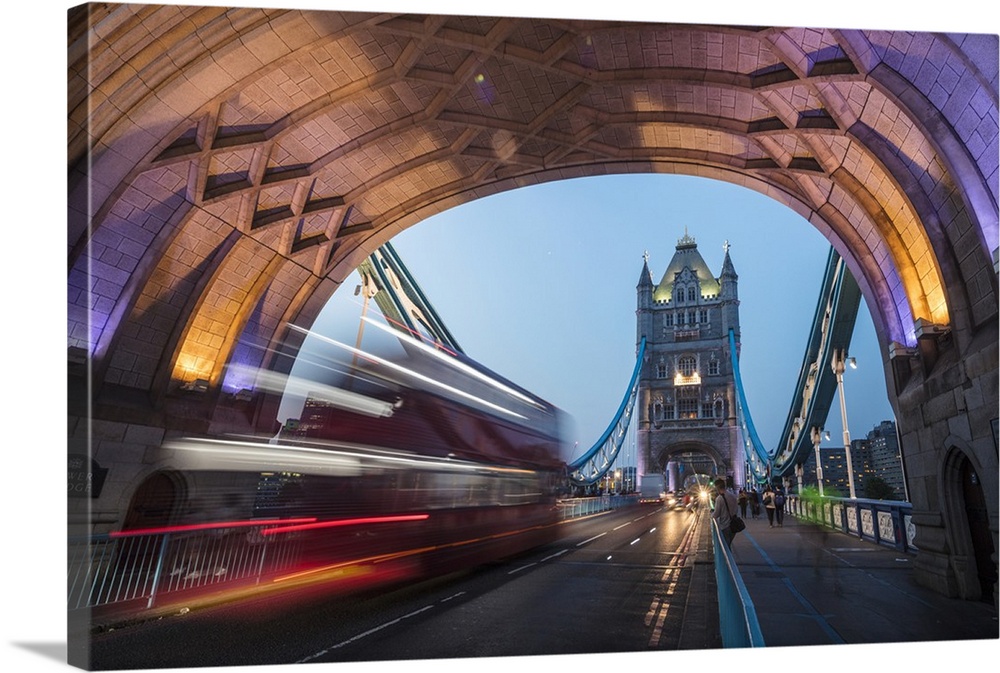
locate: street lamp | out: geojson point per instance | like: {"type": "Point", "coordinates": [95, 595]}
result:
{"type": "Point", "coordinates": [837, 364]}
{"type": "Point", "coordinates": [817, 436]}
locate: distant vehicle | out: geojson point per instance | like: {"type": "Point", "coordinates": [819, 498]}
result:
{"type": "Point", "coordinates": [651, 490]}
{"type": "Point", "coordinates": [696, 496]}
{"type": "Point", "coordinates": [674, 499]}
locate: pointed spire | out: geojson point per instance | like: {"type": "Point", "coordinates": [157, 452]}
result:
{"type": "Point", "coordinates": [645, 277]}
{"type": "Point", "coordinates": [728, 270]}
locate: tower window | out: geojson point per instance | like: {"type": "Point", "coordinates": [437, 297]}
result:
{"type": "Point", "coordinates": [668, 319]}
{"type": "Point", "coordinates": [687, 402]}
{"type": "Point", "coordinates": [703, 315]}
{"type": "Point", "coordinates": [686, 366]}
{"type": "Point", "coordinates": [691, 294]}
{"type": "Point", "coordinates": [713, 367]}
{"type": "Point", "coordinates": [687, 409]}
{"type": "Point", "coordinates": [661, 370]}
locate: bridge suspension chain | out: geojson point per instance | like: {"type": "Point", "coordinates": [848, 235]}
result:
{"type": "Point", "coordinates": [757, 456]}
{"type": "Point", "coordinates": [593, 465]}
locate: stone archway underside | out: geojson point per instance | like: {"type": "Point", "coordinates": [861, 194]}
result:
{"type": "Point", "coordinates": [230, 167]}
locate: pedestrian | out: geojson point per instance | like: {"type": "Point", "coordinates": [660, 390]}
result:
{"type": "Point", "coordinates": [769, 506]}
{"type": "Point", "coordinates": [725, 508]}
{"type": "Point", "coordinates": [754, 503]}
{"type": "Point", "coordinates": [779, 507]}
{"type": "Point", "coordinates": [742, 499]}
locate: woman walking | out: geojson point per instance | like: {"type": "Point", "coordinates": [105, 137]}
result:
{"type": "Point", "coordinates": [769, 506]}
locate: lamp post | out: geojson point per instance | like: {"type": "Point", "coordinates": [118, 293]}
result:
{"type": "Point", "coordinates": [816, 434]}
{"type": "Point", "coordinates": [837, 364]}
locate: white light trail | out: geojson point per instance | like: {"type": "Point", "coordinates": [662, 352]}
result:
{"type": "Point", "coordinates": [407, 372]}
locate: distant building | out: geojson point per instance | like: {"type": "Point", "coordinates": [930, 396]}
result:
{"type": "Point", "coordinates": [876, 455]}
{"type": "Point", "coordinates": [835, 480]}
{"type": "Point", "coordinates": [882, 457]}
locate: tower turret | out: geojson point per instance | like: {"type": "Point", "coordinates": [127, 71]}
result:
{"type": "Point", "coordinates": [729, 294]}
{"type": "Point", "coordinates": [644, 301]}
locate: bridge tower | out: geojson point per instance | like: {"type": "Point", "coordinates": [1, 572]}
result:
{"type": "Point", "coordinates": [687, 396]}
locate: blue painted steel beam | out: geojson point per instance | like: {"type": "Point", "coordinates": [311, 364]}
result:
{"type": "Point", "coordinates": [832, 330]}
{"type": "Point", "coordinates": [757, 456]}
{"type": "Point", "coordinates": [593, 465]}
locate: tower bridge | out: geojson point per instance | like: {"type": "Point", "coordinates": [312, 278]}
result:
{"type": "Point", "coordinates": [687, 393]}
{"type": "Point", "coordinates": [230, 167]}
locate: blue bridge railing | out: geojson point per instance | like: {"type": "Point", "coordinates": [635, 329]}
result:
{"type": "Point", "coordinates": [571, 508]}
{"type": "Point", "coordinates": [737, 616]}
{"type": "Point", "coordinates": [884, 522]}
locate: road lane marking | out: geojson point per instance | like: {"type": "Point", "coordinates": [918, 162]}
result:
{"type": "Point", "coordinates": [365, 634]}
{"type": "Point", "coordinates": [662, 607]}
{"type": "Point", "coordinates": [551, 556]}
{"type": "Point", "coordinates": [517, 570]}
{"type": "Point", "coordinates": [652, 610]}
{"type": "Point", "coordinates": [627, 523]}
{"type": "Point", "coordinates": [580, 544]}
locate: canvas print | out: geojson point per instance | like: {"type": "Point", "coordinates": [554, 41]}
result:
{"type": "Point", "coordinates": [403, 337]}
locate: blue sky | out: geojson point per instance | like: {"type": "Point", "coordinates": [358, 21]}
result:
{"type": "Point", "coordinates": [539, 285]}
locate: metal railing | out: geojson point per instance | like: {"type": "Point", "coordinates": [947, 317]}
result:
{"type": "Point", "coordinates": [137, 569]}
{"type": "Point", "coordinates": [737, 616]}
{"type": "Point", "coordinates": [884, 522]}
{"type": "Point", "coordinates": [572, 508]}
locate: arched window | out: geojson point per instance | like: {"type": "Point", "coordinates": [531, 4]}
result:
{"type": "Point", "coordinates": [691, 294]}
{"type": "Point", "coordinates": [680, 295]}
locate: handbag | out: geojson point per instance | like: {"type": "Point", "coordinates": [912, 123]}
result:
{"type": "Point", "coordinates": [736, 524]}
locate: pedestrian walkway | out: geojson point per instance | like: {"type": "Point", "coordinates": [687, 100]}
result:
{"type": "Point", "coordinates": [814, 586]}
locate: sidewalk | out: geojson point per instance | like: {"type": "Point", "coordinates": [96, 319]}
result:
{"type": "Point", "coordinates": [812, 586]}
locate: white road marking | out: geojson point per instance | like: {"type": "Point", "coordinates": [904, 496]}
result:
{"type": "Point", "coordinates": [517, 570]}
{"type": "Point", "coordinates": [366, 633]}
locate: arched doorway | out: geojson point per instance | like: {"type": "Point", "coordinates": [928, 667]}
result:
{"type": "Point", "coordinates": [154, 502]}
{"type": "Point", "coordinates": [977, 516]}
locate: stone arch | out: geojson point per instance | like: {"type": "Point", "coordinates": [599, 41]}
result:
{"type": "Point", "coordinates": [691, 446]}
{"type": "Point", "coordinates": [968, 535]}
{"type": "Point", "coordinates": [819, 146]}
{"type": "Point", "coordinates": [230, 167]}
